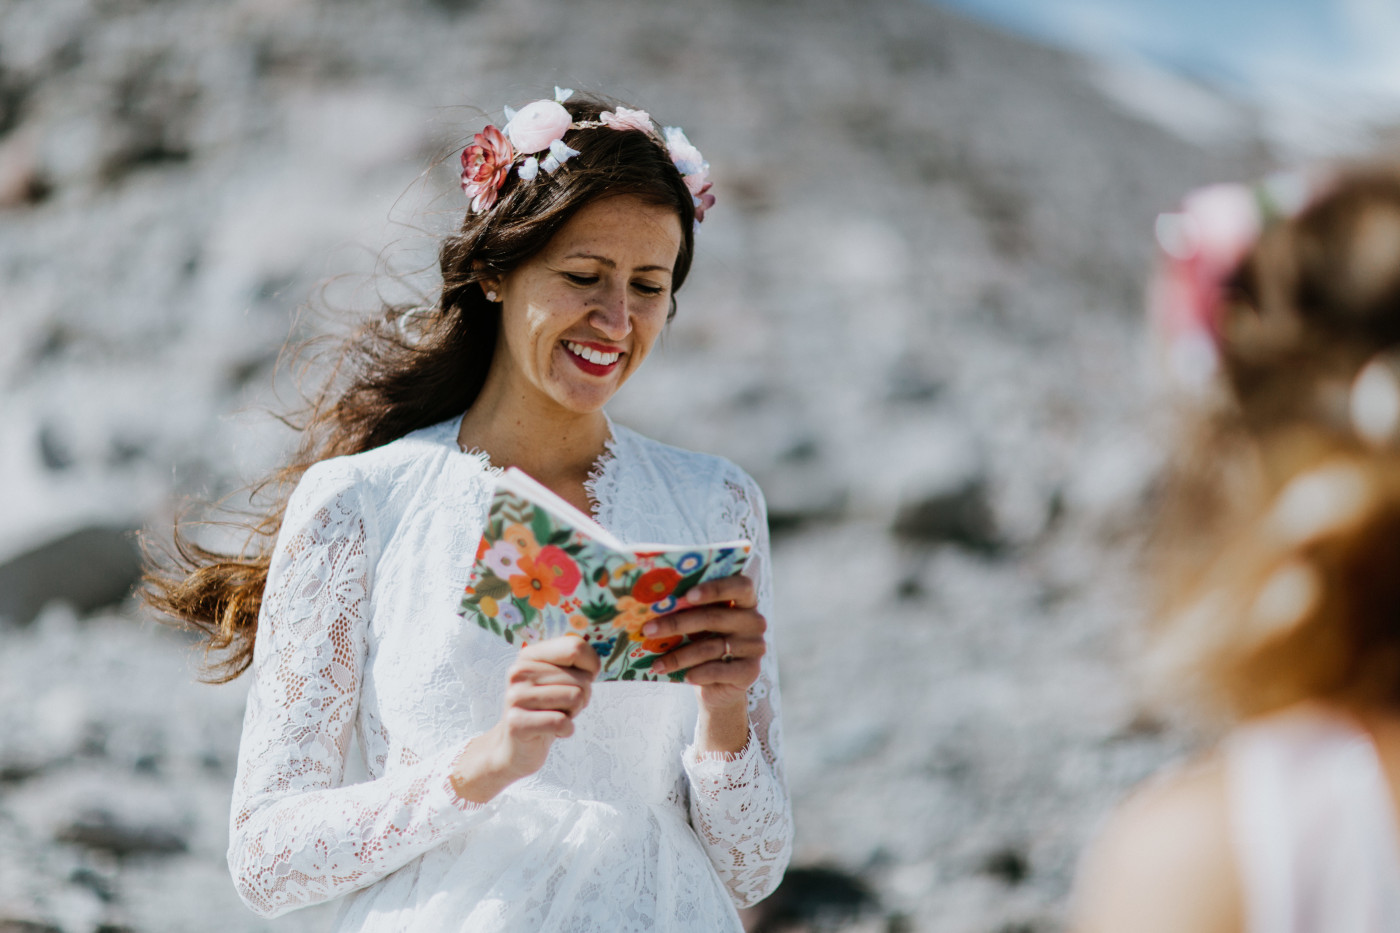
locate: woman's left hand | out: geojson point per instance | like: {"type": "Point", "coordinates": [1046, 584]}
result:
{"type": "Point", "coordinates": [722, 619]}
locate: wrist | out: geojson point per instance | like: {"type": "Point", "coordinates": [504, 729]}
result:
{"type": "Point", "coordinates": [477, 773]}
{"type": "Point", "coordinates": [724, 728]}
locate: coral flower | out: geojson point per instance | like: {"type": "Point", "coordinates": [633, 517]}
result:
{"type": "Point", "coordinates": [485, 165]}
{"type": "Point", "coordinates": [535, 584]}
{"type": "Point", "coordinates": [553, 560]}
{"type": "Point", "coordinates": [523, 539]}
{"type": "Point", "coordinates": [661, 645]}
{"type": "Point", "coordinates": [632, 615]}
{"type": "Point", "coordinates": [655, 585]}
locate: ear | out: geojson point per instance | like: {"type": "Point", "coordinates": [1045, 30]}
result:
{"type": "Point", "coordinates": [491, 288]}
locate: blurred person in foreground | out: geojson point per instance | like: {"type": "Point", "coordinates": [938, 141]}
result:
{"type": "Point", "coordinates": [505, 792]}
{"type": "Point", "coordinates": [1279, 547]}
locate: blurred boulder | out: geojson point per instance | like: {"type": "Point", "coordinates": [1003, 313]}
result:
{"type": "Point", "coordinates": [88, 569]}
{"type": "Point", "coordinates": [960, 516]}
{"type": "Point", "coordinates": [814, 900]}
{"type": "Point", "coordinates": [104, 832]}
{"type": "Point", "coordinates": [15, 925]}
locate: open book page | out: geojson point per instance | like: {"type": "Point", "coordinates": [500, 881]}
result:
{"type": "Point", "coordinates": [543, 569]}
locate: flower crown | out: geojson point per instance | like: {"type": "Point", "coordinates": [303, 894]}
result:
{"type": "Point", "coordinates": [533, 140]}
{"type": "Point", "coordinates": [1201, 247]}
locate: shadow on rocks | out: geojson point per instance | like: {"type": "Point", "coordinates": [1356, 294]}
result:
{"type": "Point", "coordinates": [820, 900]}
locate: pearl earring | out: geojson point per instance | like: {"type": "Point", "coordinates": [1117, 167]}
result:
{"type": "Point", "coordinates": [491, 296]}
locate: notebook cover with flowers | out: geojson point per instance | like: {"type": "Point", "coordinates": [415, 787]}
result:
{"type": "Point", "coordinates": [543, 569]}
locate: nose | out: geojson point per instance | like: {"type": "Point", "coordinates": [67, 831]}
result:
{"type": "Point", "coordinates": [610, 316]}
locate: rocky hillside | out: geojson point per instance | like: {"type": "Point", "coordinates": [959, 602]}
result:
{"type": "Point", "coordinates": [914, 317]}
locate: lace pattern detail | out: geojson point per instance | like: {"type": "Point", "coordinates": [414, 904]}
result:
{"type": "Point", "coordinates": [359, 637]}
{"type": "Point", "coordinates": [295, 837]}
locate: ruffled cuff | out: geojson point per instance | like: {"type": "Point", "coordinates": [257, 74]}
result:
{"type": "Point", "coordinates": [714, 773]}
{"type": "Point", "coordinates": [447, 810]}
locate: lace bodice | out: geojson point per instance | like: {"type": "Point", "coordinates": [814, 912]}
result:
{"type": "Point", "coordinates": [627, 826]}
{"type": "Point", "coordinates": [1312, 825]}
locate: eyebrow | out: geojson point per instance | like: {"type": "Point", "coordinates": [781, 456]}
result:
{"type": "Point", "coordinates": [612, 265]}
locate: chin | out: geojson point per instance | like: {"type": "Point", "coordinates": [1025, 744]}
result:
{"type": "Point", "coordinates": [584, 403]}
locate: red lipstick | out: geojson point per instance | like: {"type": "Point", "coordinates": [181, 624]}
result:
{"type": "Point", "coordinates": [588, 366]}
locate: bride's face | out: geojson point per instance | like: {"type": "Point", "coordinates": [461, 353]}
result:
{"type": "Point", "coordinates": [580, 316]}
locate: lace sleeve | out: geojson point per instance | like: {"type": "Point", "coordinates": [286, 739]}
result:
{"type": "Point", "coordinates": [297, 837]}
{"type": "Point", "coordinates": [739, 804]}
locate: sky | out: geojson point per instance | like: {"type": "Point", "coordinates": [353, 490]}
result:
{"type": "Point", "coordinates": [1314, 53]}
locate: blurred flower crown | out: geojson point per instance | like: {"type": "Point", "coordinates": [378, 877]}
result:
{"type": "Point", "coordinates": [533, 141]}
{"type": "Point", "coordinates": [1201, 247]}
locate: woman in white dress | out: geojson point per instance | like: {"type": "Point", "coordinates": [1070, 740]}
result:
{"type": "Point", "coordinates": [1280, 547]}
{"type": "Point", "coordinates": [506, 792]}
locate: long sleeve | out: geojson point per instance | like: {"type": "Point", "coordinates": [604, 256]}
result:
{"type": "Point", "coordinates": [296, 836]}
{"type": "Point", "coordinates": [739, 805]}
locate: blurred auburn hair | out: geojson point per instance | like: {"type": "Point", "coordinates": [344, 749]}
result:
{"type": "Point", "coordinates": [407, 369]}
{"type": "Point", "coordinates": [1277, 546]}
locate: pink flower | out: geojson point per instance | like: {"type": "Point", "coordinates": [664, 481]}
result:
{"type": "Point", "coordinates": [699, 185]}
{"type": "Point", "coordinates": [538, 124]}
{"type": "Point", "coordinates": [485, 164]}
{"type": "Point", "coordinates": [1202, 246]}
{"type": "Point", "coordinates": [626, 119]}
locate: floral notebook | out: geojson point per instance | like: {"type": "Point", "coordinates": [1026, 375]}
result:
{"type": "Point", "coordinates": [543, 568]}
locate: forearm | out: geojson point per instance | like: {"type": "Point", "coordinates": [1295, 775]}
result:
{"type": "Point", "coordinates": [293, 849]}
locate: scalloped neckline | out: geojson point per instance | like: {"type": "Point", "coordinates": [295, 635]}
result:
{"type": "Point", "coordinates": [600, 509]}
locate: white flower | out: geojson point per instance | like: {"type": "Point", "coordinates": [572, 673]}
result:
{"type": "Point", "coordinates": [562, 94]}
{"type": "Point", "coordinates": [528, 169]}
{"type": "Point", "coordinates": [686, 157]}
{"type": "Point", "coordinates": [559, 153]}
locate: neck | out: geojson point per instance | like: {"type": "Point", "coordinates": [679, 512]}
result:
{"type": "Point", "coordinates": [555, 446]}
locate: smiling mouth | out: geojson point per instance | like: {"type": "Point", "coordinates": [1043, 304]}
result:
{"type": "Point", "coordinates": [588, 354]}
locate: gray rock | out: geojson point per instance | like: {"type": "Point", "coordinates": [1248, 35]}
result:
{"type": "Point", "coordinates": [960, 516]}
{"type": "Point", "coordinates": [88, 569]}
{"type": "Point", "coordinates": [16, 925]}
{"type": "Point", "coordinates": [100, 830]}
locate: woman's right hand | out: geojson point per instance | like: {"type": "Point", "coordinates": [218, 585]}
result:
{"type": "Point", "coordinates": [547, 686]}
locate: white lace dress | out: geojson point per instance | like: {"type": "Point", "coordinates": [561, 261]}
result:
{"type": "Point", "coordinates": [627, 826]}
{"type": "Point", "coordinates": [1314, 830]}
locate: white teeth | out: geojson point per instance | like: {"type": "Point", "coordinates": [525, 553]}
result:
{"type": "Point", "coordinates": [593, 356]}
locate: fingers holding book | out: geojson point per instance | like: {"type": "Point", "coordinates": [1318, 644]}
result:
{"type": "Point", "coordinates": [726, 631]}
{"type": "Point", "coordinates": [549, 684]}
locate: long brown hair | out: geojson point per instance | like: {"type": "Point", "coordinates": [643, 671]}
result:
{"type": "Point", "coordinates": [1279, 537]}
{"type": "Point", "coordinates": [408, 369]}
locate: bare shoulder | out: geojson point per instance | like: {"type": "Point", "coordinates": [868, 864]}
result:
{"type": "Point", "coordinates": [1164, 862]}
